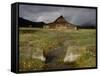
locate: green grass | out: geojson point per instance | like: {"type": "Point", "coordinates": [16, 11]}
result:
{"type": "Point", "coordinates": [84, 40]}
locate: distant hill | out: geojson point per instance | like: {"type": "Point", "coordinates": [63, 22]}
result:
{"type": "Point", "coordinates": [26, 23]}
{"type": "Point", "coordinates": [86, 27]}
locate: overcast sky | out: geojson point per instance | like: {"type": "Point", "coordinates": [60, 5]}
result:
{"type": "Point", "coordinates": [47, 14]}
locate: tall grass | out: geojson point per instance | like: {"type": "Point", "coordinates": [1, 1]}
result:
{"type": "Point", "coordinates": [33, 42]}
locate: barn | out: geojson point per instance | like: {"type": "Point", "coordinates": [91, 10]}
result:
{"type": "Point", "coordinates": [60, 23]}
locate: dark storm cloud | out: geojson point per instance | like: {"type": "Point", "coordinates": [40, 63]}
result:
{"type": "Point", "coordinates": [47, 14]}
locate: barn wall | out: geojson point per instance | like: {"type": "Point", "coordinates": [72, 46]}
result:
{"type": "Point", "coordinates": [60, 26]}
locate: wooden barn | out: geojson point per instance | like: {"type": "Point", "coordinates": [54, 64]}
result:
{"type": "Point", "coordinates": [60, 23]}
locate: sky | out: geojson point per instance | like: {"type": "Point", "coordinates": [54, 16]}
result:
{"type": "Point", "coordinates": [48, 14]}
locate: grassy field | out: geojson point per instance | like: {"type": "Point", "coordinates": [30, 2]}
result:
{"type": "Point", "coordinates": [78, 47]}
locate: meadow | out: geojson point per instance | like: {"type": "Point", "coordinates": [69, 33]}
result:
{"type": "Point", "coordinates": [76, 48]}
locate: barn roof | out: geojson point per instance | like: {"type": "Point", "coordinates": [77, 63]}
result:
{"type": "Point", "coordinates": [61, 20]}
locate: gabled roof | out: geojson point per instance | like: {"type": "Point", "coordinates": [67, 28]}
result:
{"type": "Point", "coordinates": [60, 19]}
